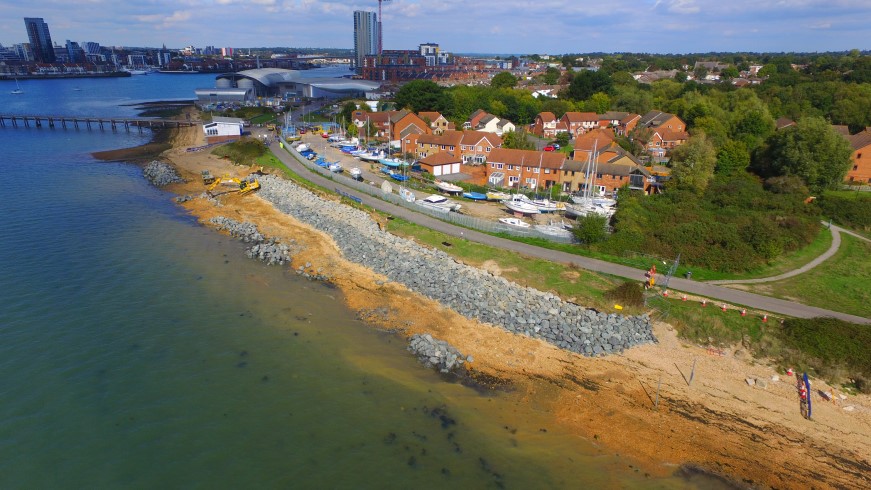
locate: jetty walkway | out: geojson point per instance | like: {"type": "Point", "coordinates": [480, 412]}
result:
{"type": "Point", "coordinates": [89, 123]}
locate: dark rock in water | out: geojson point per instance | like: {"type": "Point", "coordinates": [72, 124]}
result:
{"type": "Point", "coordinates": [242, 364]}
{"type": "Point", "coordinates": [412, 461]}
{"type": "Point", "coordinates": [264, 378]}
{"type": "Point", "coordinates": [442, 414]}
{"type": "Point", "coordinates": [390, 438]}
{"type": "Point", "coordinates": [244, 353]}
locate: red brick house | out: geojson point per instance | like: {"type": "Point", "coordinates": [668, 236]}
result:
{"type": "Point", "coordinates": [437, 122]}
{"type": "Point", "coordinates": [660, 132]}
{"type": "Point", "coordinates": [547, 125]}
{"type": "Point", "coordinates": [578, 123]}
{"type": "Point", "coordinates": [860, 171]}
{"type": "Point", "coordinates": [527, 168]}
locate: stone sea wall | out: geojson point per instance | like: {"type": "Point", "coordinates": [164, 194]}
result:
{"type": "Point", "coordinates": [472, 292]}
{"type": "Point", "coordinates": [161, 174]}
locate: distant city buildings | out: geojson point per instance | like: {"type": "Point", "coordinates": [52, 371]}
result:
{"type": "Point", "coordinates": [366, 35]}
{"type": "Point", "coordinates": [398, 65]}
{"type": "Point", "coordinates": [40, 39]}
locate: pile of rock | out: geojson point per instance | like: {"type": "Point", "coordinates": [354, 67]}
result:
{"type": "Point", "coordinates": [264, 249]}
{"type": "Point", "coordinates": [247, 232]}
{"type": "Point", "coordinates": [161, 174]}
{"type": "Point", "coordinates": [471, 292]}
{"type": "Point", "coordinates": [437, 354]}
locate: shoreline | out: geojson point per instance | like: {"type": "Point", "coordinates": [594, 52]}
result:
{"type": "Point", "coordinates": [606, 400]}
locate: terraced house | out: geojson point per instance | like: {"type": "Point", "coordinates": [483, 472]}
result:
{"type": "Point", "coordinates": [525, 169]}
{"type": "Point", "coordinates": [471, 147]}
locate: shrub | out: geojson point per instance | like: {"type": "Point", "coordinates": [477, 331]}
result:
{"type": "Point", "coordinates": [591, 229]}
{"type": "Point", "coordinates": [627, 294]}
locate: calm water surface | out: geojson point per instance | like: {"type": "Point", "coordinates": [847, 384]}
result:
{"type": "Point", "coordinates": [140, 350]}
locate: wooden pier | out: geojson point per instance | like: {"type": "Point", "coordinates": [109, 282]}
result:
{"type": "Point", "coordinates": [90, 123]}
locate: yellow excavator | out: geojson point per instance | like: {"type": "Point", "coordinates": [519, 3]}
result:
{"type": "Point", "coordinates": [245, 186]}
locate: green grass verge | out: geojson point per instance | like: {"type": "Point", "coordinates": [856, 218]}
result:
{"type": "Point", "coordinates": [842, 283]}
{"type": "Point", "coordinates": [263, 118]}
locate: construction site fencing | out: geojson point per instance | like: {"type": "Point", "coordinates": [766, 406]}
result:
{"type": "Point", "coordinates": [374, 189]}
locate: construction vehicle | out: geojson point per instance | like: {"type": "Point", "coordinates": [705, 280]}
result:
{"type": "Point", "coordinates": [208, 178]}
{"type": "Point", "coordinates": [270, 127]}
{"type": "Point", "coordinates": [245, 186]}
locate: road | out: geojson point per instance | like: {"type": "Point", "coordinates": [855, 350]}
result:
{"type": "Point", "coordinates": [731, 296]}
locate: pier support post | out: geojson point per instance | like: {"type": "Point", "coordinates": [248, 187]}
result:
{"type": "Point", "coordinates": [26, 123]}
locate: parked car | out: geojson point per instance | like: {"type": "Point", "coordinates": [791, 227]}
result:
{"type": "Point", "coordinates": [550, 148]}
{"type": "Point", "coordinates": [555, 146]}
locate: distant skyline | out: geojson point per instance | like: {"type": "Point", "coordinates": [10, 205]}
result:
{"type": "Point", "coordinates": [461, 26]}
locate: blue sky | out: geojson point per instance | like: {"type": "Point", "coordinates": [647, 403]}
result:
{"type": "Point", "coordinates": [482, 26]}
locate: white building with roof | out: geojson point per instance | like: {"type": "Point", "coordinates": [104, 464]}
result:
{"type": "Point", "coordinates": [223, 129]}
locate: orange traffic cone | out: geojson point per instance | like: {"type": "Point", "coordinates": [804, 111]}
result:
{"type": "Point", "coordinates": [704, 303]}
{"type": "Point", "coordinates": [764, 318]}
{"type": "Point", "coordinates": [683, 298]}
{"type": "Point", "coordinates": [724, 306]}
{"type": "Point", "coordinates": [665, 293]}
{"type": "Point", "coordinates": [743, 312]}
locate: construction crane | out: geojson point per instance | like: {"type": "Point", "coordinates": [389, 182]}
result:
{"type": "Point", "coordinates": [380, 45]}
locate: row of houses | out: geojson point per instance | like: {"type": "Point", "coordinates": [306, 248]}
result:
{"type": "Point", "coordinates": [531, 170]}
{"type": "Point", "coordinates": [657, 132]}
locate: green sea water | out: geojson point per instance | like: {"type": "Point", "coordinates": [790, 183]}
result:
{"type": "Point", "coordinates": [141, 350]}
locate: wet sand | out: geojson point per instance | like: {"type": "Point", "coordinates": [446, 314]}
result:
{"type": "Point", "coordinates": [720, 424]}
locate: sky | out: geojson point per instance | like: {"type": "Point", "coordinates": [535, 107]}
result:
{"type": "Point", "coordinates": [459, 26]}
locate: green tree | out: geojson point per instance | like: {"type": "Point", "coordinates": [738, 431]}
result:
{"type": "Point", "coordinates": [503, 80]}
{"type": "Point", "coordinates": [599, 103]}
{"type": "Point", "coordinates": [551, 76]}
{"type": "Point", "coordinates": [812, 150]}
{"type": "Point", "coordinates": [517, 140]}
{"type": "Point", "coordinates": [692, 164]}
{"type": "Point", "coordinates": [348, 111]}
{"type": "Point", "coordinates": [352, 130]}
{"type": "Point", "coordinates": [562, 138]}
{"type": "Point", "coordinates": [729, 73]}
{"type": "Point", "coordinates": [732, 157]}
{"type": "Point", "coordinates": [586, 83]}
{"type": "Point", "coordinates": [591, 229]}
{"type": "Point", "coordinates": [423, 95]}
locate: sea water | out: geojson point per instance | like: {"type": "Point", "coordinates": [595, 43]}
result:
{"type": "Point", "coordinates": [139, 349]}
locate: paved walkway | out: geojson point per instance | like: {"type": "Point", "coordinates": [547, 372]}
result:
{"type": "Point", "coordinates": [731, 296]}
{"type": "Point", "coordinates": [836, 243]}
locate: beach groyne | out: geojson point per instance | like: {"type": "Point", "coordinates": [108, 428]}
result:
{"type": "Point", "coordinates": [472, 292]}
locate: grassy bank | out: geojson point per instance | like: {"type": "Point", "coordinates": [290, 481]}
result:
{"type": "Point", "coordinates": [842, 283]}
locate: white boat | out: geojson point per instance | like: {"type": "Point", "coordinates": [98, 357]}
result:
{"type": "Point", "coordinates": [522, 206]}
{"type": "Point", "coordinates": [407, 194]}
{"type": "Point", "coordinates": [497, 196]}
{"type": "Point", "coordinates": [355, 173]}
{"type": "Point", "coordinates": [370, 157]}
{"type": "Point", "coordinates": [548, 206]}
{"type": "Point", "coordinates": [437, 201]}
{"type": "Point", "coordinates": [598, 201]}
{"type": "Point", "coordinates": [447, 187]}
{"type": "Point", "coordinates": [514, 222]}
{"type": "Point", "coordinates": [554, 229]}
{"type": "Point", "coordinates": [587, 209]}
{"type": "Point", "coordinates": [301, 147]}
{"type": "Point", "coordinates": [335, 167]}
{"type": "Point", "coordinates": [136, 72]}
{"type": "Point", "coordinates": [17, 90]}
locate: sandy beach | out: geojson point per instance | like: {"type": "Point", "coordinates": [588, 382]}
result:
{"type": "Point", "coordinates": [753, 434]}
